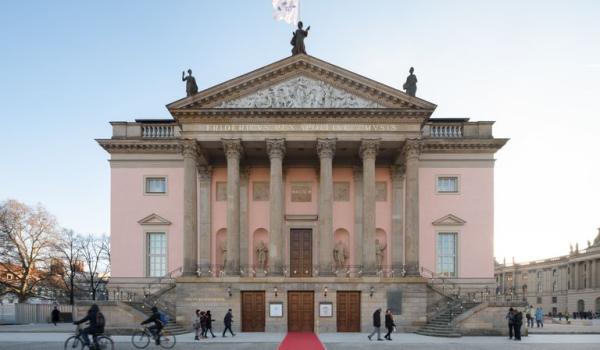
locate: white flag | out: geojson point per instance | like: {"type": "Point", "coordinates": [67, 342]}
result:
{"type": "Point", "coordinates": [286, 10]}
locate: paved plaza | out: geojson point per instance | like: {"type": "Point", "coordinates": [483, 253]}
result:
{"type": "Point", "coordinates": [332, 341]}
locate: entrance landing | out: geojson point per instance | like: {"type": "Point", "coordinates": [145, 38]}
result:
{"type": "Point", "coordinates": [301, 341]}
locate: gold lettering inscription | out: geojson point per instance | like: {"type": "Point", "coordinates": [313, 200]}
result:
{"type": "Point", "coordinates": [299, 127]}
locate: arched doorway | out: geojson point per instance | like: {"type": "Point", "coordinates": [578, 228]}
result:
{"type": "Point", "coordinates": [580, 306]}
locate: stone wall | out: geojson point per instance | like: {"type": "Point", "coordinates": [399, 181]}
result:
{"type": "Point", "coordinates": [211, 294]}
{"type": "Point", "coordinates": [117, 314]}
{"type": "Point", "coordinates": [486, 319]}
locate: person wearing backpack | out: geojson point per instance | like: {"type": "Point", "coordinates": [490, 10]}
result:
{"type": "Point", "coordinates": [96, 324]}
{"type": "Point", "coordinates": [159, 321]}
{"type": "Point", "coordinates": [209, 322]}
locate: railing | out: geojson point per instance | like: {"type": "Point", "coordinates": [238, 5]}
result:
{"type": "Point", "coordinates": [447, 131]}
{"type": "Point", "coordinates": [384, 271]}
{"type": "Point", "coordinates": [158, 131]}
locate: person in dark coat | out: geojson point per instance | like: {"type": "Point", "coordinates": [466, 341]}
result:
{"type": "Point", "coordinates": [94, 329]}
{"type": "Point", "coordinates": [376, 324]}
{"type": "Point", "coordinates": [209, 322]}
{"type": "Point", "coordinates": [510, 317]}
{"type": "Point", "coordinates": [203, 324]}
{"type": "Point", "coordinates": [55, 316]}
{"type": "Point", "coordinates": [518, 323]}
{"type": "Point", "coordinates": [157, 327]}
{"type": "Point", "coordinates": [389, 324]}
{"type": "Point", "coordinates": [227, 321]}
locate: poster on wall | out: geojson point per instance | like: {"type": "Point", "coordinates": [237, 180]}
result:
{"type": "Point", "coordinates": [326, 309]}
{"type": "Point", "coordinates": [276, 310]}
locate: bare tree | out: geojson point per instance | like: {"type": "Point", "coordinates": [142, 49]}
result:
{"type": "Point", "coordinates": [68, 249]}
{"type": "Point", "coordinates": [27, 236]}
{"type": "Point", "coordinates": [95, 253]}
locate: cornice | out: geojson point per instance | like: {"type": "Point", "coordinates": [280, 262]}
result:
{"type": "Point", "coordinates": [140, 146]}
{"type": "Point", "coordinates": [462, 145]}
{"type": "Point", "coordinates": [301, 65]}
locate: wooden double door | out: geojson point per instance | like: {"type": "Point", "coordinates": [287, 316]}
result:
{"type": "Point", "coordinates": [301, 311]}
{"type": "Point", "coordinates": [348, 311]}
{"type": "Point", "coordinates": [300, 252]}
{"type": "Point", "coordinates": [253, 311]}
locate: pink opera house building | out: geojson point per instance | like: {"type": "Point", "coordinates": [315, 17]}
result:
{"type": "Point", "coordinates": [302, 196]}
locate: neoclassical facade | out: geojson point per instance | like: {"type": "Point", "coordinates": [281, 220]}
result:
{"type": "Point", "coordinates": [305, 194]}
{"type": "Point", "coordinates": [565, 284]}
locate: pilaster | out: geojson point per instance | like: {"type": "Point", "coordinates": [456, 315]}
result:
{"type": "Point", "coordinates": [326, 151]}
{"type": "Point", "coordinates": [412, 151]}
{"type": "Point", "coordinates": [190, 209]}
{"type": "Point", "coordinates": [397, 237]}
{"type": "Point", "coordinates": [204, 219]}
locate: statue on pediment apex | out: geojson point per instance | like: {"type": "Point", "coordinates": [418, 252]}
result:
{"type": "Point", "coordinates": [298, 39]}
{"type": "Point", "coordinates": [410, 86]}
{"type": "Point", "coordinates": [190, 83]}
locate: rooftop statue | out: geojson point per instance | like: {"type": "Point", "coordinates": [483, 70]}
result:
{"type": "Point", "coordinates": [298, 39]}
{"type": "Point", "coordinates": [410, 86]}
{"type": "Point", "coordinates": [190, 83]}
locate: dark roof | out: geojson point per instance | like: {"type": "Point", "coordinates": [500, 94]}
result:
{"type": "Point", "coordinates": [155, 121]}
{"type": "Point", "coordinates": [448, 120]}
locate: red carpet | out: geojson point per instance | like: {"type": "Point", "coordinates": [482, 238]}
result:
{"type": "Point", "coordinates": [301, 341]}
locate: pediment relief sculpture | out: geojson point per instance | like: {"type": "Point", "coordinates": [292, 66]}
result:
{"type": "Point", "coordinates": [300, 92]}
{"type": "Point", "coordinates": [154, 219]}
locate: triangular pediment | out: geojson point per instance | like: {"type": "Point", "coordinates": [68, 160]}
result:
{"type": "Point", "coordinates": [449, 220]}
{"type": "Point", "coordinates": [300, 81]}
{"type": "Point", "coordinates": [154, 219]}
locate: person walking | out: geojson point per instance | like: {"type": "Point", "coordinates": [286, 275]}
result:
{"type": "Point", "coordinates": [203, 324]}
{"type": "Point", "coordinates": [539, 317]}
{"type": "Point", "coordinates": [518, 323]}
{"type": "Point", "coordinates": [227, 321]}
{"type": "Point", "coordinates": [55, 315]}
{"type": "Point", "coordinates": [389, 324]}
{"type": "Point", "coordinates": [510, 317]}
{"type": "Point", "coordinates": [376, 325]}
{"type": "Point", "coordinates": [528, 316]}
{"type": "Point", "coordinates": [197, 326]}
{"type": "Point", "coordinates": [209, 322]}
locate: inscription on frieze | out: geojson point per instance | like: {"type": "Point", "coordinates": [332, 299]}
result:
{"type": "Point", "coordinates": [301, 192]}
{"type": "Point", "coordinates": [260, 191]}
{"type": "Point", "coordinates": [341, 191]}
{"type": "Point", "coordinates": [221, 191]}
{"type": "Point", "coordinates": [301, 127]}
{"type": "Point", "coordinates": [381, 191]}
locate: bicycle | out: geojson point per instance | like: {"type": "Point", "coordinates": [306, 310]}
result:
{"type": "Point", "coordinates": [141, 339]}
{"type": "Point", "coordinates": [102, 342]}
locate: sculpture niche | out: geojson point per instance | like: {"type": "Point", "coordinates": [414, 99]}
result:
{"type": "Point", "coordinates": [190, 83]}
{"type": "Point", "coordinates": [379, 254]}
{"type": "Point", "coordinates": [410, 86]}
{"type": "Point", "coordinates": [298, 39]}
{"type": "Point", "coordinates": [340, 255]}
{"type": "Point", "coordinates": [261, 254]}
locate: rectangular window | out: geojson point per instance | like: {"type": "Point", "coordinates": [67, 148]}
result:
{"type": "Point", "coordinates": [447, 184]}
{"type": "Point", "coordinates": [156, 185]}
{"type": "Point", "coordinates": [157, 254]}
{"type": "Point", "coordinates": [446, 254]}
{"type": "Point", "coordinates": [554, 300]}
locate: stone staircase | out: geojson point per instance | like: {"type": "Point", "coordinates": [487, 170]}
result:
{"type": "Point", "coordinates": [172, 327]}
{"type": "Point", "coordinates": [442, 325]}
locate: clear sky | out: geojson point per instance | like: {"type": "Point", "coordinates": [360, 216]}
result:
{"type": "Point", "coordinates": [67, 68]}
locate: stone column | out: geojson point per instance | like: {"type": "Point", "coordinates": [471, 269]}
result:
{"type": "Point", "coordinates": [368, 152]}
{"type": "Point", "coordinates": [276, 151]}
{"type": "Point", "coordinates": [594, 279]}
{"type": "Point", "coordinates": [204, 219]}
{"type": "Point", "coordinates": [244, 237]}
{"type": "Point", "coordinates": [358, 222]}
{"type": "Point", "coordinates": [576, 272]}
{"type": "Point", "coordinates": [397, 244]}
{"type": "Point", "coordinates": [412, 149]}
{"type": "Point", "coordinates": [233, 150]}
{"type": "Point", "coordinates": [326, 150]}
{"type": "Point", "coordinates": [190, 212]}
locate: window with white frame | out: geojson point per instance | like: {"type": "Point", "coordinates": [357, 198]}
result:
{"type": "Point", "coordinates": [156, 185]}
{"type": "Point", "coordinates": [446, 253]}
{"type": "Point", "coordinates": [447, 184]}
{"type": "Point", "coordinates": [157, 254]}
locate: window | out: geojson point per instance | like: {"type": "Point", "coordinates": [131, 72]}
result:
{"type": "Point", "coordinates": [156, 185]}
{"type": "Point", "coordinates": [157, 254]}
{"type": "Point", "coordinates": [446, 254]}
{"type": "Point", "coordinates": [539, 300]}
{"type": "Point", "coordinates": [447, 184]}
{"type": "Point", "coordinates": [554, 300]}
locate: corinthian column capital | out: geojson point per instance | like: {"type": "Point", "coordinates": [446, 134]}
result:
{"type": "Point", "coordinates": [204, 172]}
{"type": "Point", "coordinates": [412, 148]}
{"type": "Point", "coordinates": [233, 148]}
{"type": "Point", "coordinates": [275, 148]}
{"type": "Point", "coordinates": [369, 148]}
{"type": "Point", "coordinates": [189, 148]}
{"type": "Point", "coordinates": [326, 148]}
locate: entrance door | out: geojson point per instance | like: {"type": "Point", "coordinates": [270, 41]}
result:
{"type": "Point", "coordinates": [253, 311]}
{"type": "Point", "coordinates": [348, 311]}
{"type": "Point", "coordinates": [300, 253]}
{"type": "Point", "coordinates": [301, 311]}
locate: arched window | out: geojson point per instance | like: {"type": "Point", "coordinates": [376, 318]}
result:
{"type": "Point", "coordinates": [580, 305]}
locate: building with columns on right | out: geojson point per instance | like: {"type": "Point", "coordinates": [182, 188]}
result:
{"type": "Point", "coordinates": [564, 284]}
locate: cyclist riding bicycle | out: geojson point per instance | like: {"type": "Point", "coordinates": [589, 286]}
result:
{"type": "Point", "coordinates": [157, 327]}
{"type": "Point", "coordinates": [96, 324]}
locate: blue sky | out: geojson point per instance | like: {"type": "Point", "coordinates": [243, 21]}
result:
{"type": "Point", "coordinates": [67, 68]}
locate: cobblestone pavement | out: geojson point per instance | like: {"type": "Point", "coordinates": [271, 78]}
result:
{"type": "Point", "coordinates": [332, 341]}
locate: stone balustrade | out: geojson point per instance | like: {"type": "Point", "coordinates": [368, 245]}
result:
{"type": "Point", "coordinates": [158, 131]}
{"type": "Point", "coordinates": [147, 130]}
{"type": "Point", "coordinates": [460, 128]}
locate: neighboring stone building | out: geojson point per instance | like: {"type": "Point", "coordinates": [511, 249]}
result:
{"type": "Point", "coordinates": [302, 196]}
{"type": "Point", "coordinates": [569, 283]}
